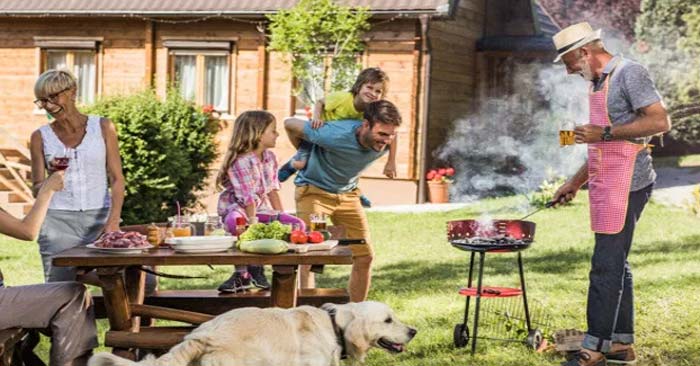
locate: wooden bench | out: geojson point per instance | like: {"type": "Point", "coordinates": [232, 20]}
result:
{"type": "Point", "coordinates": [203, 304]}
{"type": "Point", "coordinates": [9, 343]}
{"type": "Point", "coordinates": [9, 339]}
{"type": "Point", "coordinates": [17, 347]}
{"type": "Point", "coordinates": [214, 303]}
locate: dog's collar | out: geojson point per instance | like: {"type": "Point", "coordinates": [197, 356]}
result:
{"type": "Point", "coordinates": [339, 337]}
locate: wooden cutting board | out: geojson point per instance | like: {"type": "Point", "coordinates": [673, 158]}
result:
{"type": "Point", "coordinates": [303, 248]}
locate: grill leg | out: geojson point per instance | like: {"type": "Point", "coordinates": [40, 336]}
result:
{"type": "Point", "coordinates": [522, 287]}
{"type": "Point", "coordinates": [478, 300]}
{"type": "Point", "coordinates": [469, 285]}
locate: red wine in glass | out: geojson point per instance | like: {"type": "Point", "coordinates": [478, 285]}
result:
{"type": "Point", "coordinates": [61, 163]}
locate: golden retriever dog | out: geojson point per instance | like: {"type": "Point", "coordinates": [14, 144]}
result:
{"type": "Point", "coordinates": [301, 336]}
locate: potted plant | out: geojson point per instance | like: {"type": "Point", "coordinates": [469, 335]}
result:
{"type": "Point", "coordinates": [439, 181]}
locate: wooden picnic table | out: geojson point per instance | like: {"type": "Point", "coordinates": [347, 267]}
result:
{"type": "Point", "coordinates": [124, 304]}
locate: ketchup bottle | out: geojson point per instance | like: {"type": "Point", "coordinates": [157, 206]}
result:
{"type": "Point", "coordinates": [241, 225]}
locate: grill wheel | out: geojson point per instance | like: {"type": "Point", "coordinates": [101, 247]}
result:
{"type": "Point", "coordinates": [461, 335]}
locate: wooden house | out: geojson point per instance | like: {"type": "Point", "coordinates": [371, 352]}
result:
{"type": "Point", "coordinates": [439, 54]}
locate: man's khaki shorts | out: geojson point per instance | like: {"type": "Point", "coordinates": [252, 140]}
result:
{"type": "Point", "coordinates": [344, 209]}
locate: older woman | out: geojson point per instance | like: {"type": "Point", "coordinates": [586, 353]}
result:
{"type": "Point", "coordinates": [88, 145]}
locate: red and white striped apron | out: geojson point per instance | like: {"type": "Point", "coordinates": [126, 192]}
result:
{"type": "Point", "coordinates": [610, 168]}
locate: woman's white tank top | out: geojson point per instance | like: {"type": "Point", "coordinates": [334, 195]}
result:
{"type": "Point", "coordinates": [85, 182]}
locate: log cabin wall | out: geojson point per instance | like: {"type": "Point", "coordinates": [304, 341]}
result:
{"type": "Point", "coordinates": [454, 71]}
{"type": "Point", "coordinates": [131, 54]}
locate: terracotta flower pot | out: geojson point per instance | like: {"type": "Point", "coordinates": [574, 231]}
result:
{"type": "Point", "coordinates": [438, 192]}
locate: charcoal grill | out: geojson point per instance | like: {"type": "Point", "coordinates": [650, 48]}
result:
{"type": "Point", "coordinates": [493, 236]}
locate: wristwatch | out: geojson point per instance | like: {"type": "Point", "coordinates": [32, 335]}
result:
{"type": "Point", "coordinates": [607, 134]}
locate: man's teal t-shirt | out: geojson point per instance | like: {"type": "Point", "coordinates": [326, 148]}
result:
{"type": "Point", "coordinates": [337, 158]}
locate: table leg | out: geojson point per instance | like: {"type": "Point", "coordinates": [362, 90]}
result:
{"type": "Point", "coordinates": [135, 291]}
{"type": "Point", "coordinates": [284, 289]}
{"type": "Point", "coordinates": [116, 303]}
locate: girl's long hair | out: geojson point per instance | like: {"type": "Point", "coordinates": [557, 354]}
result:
{"type": "Point", "coordinates": [247, 131]}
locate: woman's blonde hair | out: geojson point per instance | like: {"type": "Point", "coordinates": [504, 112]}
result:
{"type": "Point", "coordinates": [54, 81]}
{"type": "Point", "coordinates": [247, 131]}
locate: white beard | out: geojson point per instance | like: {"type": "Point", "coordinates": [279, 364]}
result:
{"type": "Point", "coordinates": [586, 72]}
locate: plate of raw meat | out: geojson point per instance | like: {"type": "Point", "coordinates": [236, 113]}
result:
{"type": "Point", "coordinates": [121, 242]}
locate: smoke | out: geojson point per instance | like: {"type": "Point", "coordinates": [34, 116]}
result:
{"type": "Point", "coordinates": [511, 144]}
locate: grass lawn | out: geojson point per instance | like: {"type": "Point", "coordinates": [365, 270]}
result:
{"type": "Point", "coordinates": [685, 161]}
{"type": "Point", "coordinates": [418, 273]}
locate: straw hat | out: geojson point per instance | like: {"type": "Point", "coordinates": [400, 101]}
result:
{"type": "Point", "coordinates": [573, 37]}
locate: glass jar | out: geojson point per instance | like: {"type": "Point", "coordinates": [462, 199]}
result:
{"type": "Point", "coordinates": [214, 226]}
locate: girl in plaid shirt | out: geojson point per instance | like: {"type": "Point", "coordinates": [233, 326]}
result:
{"type": "Point", "coordinates": [248, 177]}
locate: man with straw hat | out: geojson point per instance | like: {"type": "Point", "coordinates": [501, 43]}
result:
{"type": "Point", "coordinates": [625, 111]}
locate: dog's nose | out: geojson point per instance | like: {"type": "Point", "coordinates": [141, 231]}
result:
{"type": "Point", "coordinates": [412, 332]}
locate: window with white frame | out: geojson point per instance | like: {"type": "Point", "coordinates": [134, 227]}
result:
{"type": "Point", "coordinates": [200, 71]}
{"type": "Point", "coordinates": [79, 55]}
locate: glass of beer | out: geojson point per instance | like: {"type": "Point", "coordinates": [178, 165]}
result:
{"type": "Point", "coordinates": [566, 133]}
{"type": "Point", "coordinates": [318, 222]}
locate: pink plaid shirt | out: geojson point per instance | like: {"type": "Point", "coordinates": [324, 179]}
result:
{"type": "Point", "coordinates": [249, 181]}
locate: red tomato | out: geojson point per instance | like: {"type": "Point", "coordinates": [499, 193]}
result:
{"type": "Point", "coordinates": [315, 237]}
{"type": "Point", "coordinates": [298, 237]}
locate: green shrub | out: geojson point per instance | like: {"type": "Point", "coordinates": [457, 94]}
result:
{"type": "Point", "coordinates": [545, 193]}
{"type": "Point", "coordinates": [166, 149]}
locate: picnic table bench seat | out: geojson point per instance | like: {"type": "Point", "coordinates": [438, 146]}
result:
{"type": "Point", "coordinates": [213, 302]}
{"type": "Point", "coordinates": [9, 339]}
{"type": "Point", "coordinates": [17, 347]}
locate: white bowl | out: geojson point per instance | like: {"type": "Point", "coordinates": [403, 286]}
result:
{"type": "Point", "coordinates": [201, 240]}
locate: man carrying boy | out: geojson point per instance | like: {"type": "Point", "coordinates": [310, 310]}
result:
{"type": "Point", "coordinates": [328, 185]}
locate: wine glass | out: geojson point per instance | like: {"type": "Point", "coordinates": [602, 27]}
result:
{"type": "Point", "coordinates": [62, 160]}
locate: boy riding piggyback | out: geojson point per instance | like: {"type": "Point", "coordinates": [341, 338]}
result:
{"type": "Point", "coordinates": [371, 85]}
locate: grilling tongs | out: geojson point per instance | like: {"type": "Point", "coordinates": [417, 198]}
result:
{"type": "Point", "coordinates": [548, 205]}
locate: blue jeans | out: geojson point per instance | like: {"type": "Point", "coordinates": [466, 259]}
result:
{"type": "Point", "coordinates": [63, 229]}
{"type": "Point", "coordinates": [303, 151]}
{"type": "Point", "coordinates": [610, 308]}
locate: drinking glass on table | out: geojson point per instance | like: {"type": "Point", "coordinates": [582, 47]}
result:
{"type": "Point", "coordinates": [317, 221]}
{"type": "Point", "coordinates": [214, 226]}
{"type": "Point", "coordinates": [181, 226]}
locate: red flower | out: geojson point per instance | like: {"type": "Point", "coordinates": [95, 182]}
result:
{"type": "Point", "coordinates": [442, 171]}
{"type": "Point", "coordinates": [430, 175]}
{"type": "Point", "coordinates": [208, 109]}
{"type": "Point", "coordinates": [438, 177]}
{"type": "Point", "coordinates": [450, 172]}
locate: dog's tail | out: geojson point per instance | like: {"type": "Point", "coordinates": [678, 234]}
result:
{"type": "Point", "coordinates": [180, 355]}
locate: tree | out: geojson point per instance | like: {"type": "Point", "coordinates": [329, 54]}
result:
{"type": "Point", "coordinates": [668, 43]}
{"type": "Point", "coordinates": [323, 42]}
{"type": "Point", "coordinates": [618, 15]}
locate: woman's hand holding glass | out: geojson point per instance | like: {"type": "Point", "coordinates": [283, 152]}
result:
{"type": "Point", "coordinates": [54, 182]}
